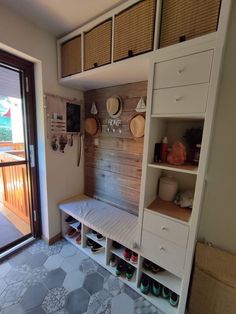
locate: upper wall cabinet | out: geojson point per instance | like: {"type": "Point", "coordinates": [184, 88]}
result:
{"type": "Point", "coordinates": [187, 19]}
{"type": "Point", "coordinates": [97, 45]}
{"type": "Point", "coordinates": [134, 30]}
{"type": "Point", "coordinates": [71, 56]}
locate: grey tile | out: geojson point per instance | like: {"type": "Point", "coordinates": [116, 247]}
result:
{"type": "Point", "coordinates": [77, 301]}
{"type": "Point", "coordinates": [68, 250]}
{"type": "Point", "coordinates": [74, 280]}
{"type": "Point", "coordinates": [130, 292]}
{"type": "Point", "coordinates": [3, 285]}
{"type": "Point", "coordinates": [20, 258]}
{"type": "Point", "coordinates": [72, 263]}
{"type": "Point", "coordinates": [101, 270]}
{"type": "Point", "coordinates": [14, 309]}
{"type": "Point", "coordinates": [93, 283]}
{"type": "Point", "coordinates": [122, 303]}
{"type": "Point", "coordinates": [55, 300]}
{"type": "Point", "coordinates": [36, 275]}
{"type": "Point", "coordinates": [34, 296]}
{"type": "Point", "coordinates": [113, 285]}
{"type": "Point", "coordinates": [12, 294]}
{"type": "Point", "coordinates": [54, 278]}
{"type": "Point", "coordinates": [42, 246]}
{"type": "Point", "coordinates": [53, 262]}
{"type": "Point", "coordinates": [4, 269]}
{"type": "Point", "coordinates": [17, 274]}
{"type": "Point", "coordinates": [36, 260]}
{"type": "Point", "coordinates": [100, 303]}
{"type": "Point", "coordinates": [37, 310]}
{"type": "Point", "coordinates": [88, 266]}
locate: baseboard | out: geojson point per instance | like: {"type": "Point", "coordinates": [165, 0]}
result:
{"type": "Point", "coordinates": [52, 240]}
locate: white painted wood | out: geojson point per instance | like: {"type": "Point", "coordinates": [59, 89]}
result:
{"type": "Point", "coordinates": [164, 253]}
{"type": "Point", "coordinates": [190, 69]}
{"type": "Point", "coordinates": [178, 100]}
{"type": "Point", "coordinates": [166, 167]}
{"type": "Point", "coordinates": [166, 228]}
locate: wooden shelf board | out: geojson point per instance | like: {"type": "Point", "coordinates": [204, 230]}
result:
{"type": "Point", "coordinates": [186, 168]}
{"type": "Point", "coordinates": [170, 209]}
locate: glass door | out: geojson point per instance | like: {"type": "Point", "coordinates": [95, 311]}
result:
{"type": "Point", "coordinates": [18, 187]}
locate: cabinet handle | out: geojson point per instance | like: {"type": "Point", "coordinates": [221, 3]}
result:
{"type": "Point", "coordinates": [130, 53]}
{"type": "Point", "coordinates": [163, 228]}
{"type": "Point", "coordinates": [95, 64]}
{"type": "Point", "coordinates": [179, 98]}
{"type": "Point", "coordinates": [162, 248]}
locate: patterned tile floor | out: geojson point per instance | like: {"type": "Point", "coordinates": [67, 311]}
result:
{"type": "Point", "coordinates": [60, 279]}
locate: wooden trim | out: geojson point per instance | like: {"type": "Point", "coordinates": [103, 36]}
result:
{"type": "Point", "coordinates": [52, 240]}
{"type": "Point", "coordinates": [12, 163]}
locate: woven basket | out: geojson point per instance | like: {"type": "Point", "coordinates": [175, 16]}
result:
{"type": "Point", "coordinates": [134, 30]}
{"type": "Point", "coordinates": [97, 45]}
{"type": "Point", "coordinates": [186, 19]}
{"type": "Point", "coordinates": [71, 57]}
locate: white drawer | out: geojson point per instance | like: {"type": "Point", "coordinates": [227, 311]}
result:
{"type": "Point", "coordinates": [180, 100]}
{"type": "Point", "coordinates": [166, 229]}
{"type": "Point", "coordinates": [162, 252]}
{"type": "Point", "coordinates": [186, 70]}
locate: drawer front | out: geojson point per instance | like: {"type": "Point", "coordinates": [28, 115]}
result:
{"type": "Point", "coordinates": [166, 229]}
{"type": "Point", "coordinates": [71, 57]}
{"type": "Point", "coordinates": [162, 252]}
{"type": "Point", "coordinates": [190, 99]}
{"type": "Point", "coordinates": [186, 70]}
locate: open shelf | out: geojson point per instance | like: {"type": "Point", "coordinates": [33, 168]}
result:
{"type": "Point", "coordinates": [75, 224]}
{"type": "Point", "coordinates": [170, 209]}
{"type": "Point", "coordinates": [119, 253]}
{"type": "Point", "coordinates": [166, 279]}
{"type": "Point", "coordinates": [131, 283]}
{"type": "Point", "coordinates": [185, 168]}
{"type": "Point", "coordinates": [93, 237]}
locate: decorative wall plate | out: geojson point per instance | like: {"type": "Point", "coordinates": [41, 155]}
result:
{"type": "Point", "coordinates": [137, 125]}
{"type": "Point", "coordinates": [91, 126]}
{"type": "Point", "coordinates": [114, 106]}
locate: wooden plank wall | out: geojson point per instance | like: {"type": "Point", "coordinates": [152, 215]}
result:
{"type": "Point", "coordinates": [113, 162]}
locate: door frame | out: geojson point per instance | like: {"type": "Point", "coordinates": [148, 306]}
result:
{"type": "Point", "coordinates": [27, 69]}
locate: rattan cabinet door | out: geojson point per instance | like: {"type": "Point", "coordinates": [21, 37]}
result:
{"type": "Point", "coordinates": [134, 30]}
{"type": "Point", "coordinates": [71, 57]}
{"type": "Point", "coordinates": [186, 19]}
{"type": "Point", "coordinates": [97, 45]}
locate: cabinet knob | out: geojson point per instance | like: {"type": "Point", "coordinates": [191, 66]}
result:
{"type": "Point", "coordinates": [179, 98]}
{"type": "Point", "coordinates": [162, 248]}
{"type": "Point", "coordinates": [130, 53]}
{"type": "Point", "coordinates": [163, 228]}
{"type": "Point", "coordinates": [180, 71]}
{"type": "Point", "coordinates": [95, 64]}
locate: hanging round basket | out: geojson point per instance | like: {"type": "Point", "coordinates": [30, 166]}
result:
{"type": "Point", "coordinates": [91, 126]}
{"type": "Point", "coordinates": [137, 126]}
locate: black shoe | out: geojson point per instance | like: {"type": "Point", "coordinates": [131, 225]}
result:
{"type": "Point", "coordinates": [100, 237]}
{"type": "Point", "coordinates": [145, 285]}
{"type": "Point", "coordinates": [90, 243]}
{"type": "Point", "coordinates": [120, 268]}
{"type": "Point", "coordinates": [70, 219]}
{"type": "Point", "coordinates": [129, 272]}
{"type": "Point", "coordinates": [174, 299]}
{"type": "Point", "coordinates": [96, 248]}
{"type": "Point", "coordinates": [165, 292]}
{"type": "Point", "coordinates": [94, 232]}
{"type": "Point", "coordinates": [116, 245]}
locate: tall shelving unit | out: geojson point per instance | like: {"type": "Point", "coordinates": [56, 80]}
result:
{"type": "Point", "coordinates": [182, 93]}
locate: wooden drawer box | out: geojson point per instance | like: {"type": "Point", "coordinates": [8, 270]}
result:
{"type": "Point", "coordinates": [134, 29]}
{"type": "Point", "coordinates": [162, 252]}
{"type": "Point", "coordinates": [186, 19]}
{"type": "Point", "coordinates": [190, 99]}
{"type": "Point", "coordinates": [187, 70]}
{"type": "Point", "coordinates": [166, 229]}
{"type": "Point", "coordinates": [71, 57]}
{"type": "Point", "coordinates": [97, 45]}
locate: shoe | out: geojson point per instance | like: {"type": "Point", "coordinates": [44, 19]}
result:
{"type": "Point", "coordinates": [155, 268]}
{"type": "Point", "coordinates": [78, 239]}
{"type": "Point", "coordinates": [70, 219]}
{"type": "Point", "coordinates": [94, 232]}
{"type": "Point", "coordinates": [90, 243]}
{"type": "Point", "coordinates": [71, 232]}
{"type": "Point", "coordinates": [100, 237]}
{"type": "Point", "coordinates": [165, 292]}
{"type": "Point", "coordinates": [113, 261]}
{"type": "Point", "coordinates": [156, 288]}
{"type": "Point", "coordinates": [146, 264]}
{"type": "Point", "coordinates": [134, 258]}
{"type": "Point", "coordinates": [145, 285]}
{"type": "Point", "coordinates": [174, 299]}
{"type": "Point", "coordinates": [127, 254]}
{"type": "Point", "coordinates": [96, 248]}
{"type": "Point", "coordinates": [119, 268]}
{"type": "Point", "coordinates": [116, 245]}
{"type": "Point", "coordinates": [129, 272]}
{"type": "Point", "coordinates": [79, 227]}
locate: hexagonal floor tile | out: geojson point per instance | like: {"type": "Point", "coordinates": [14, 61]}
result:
{"type": "Point", "coordinates": [37, 310]}
{"type": "Point", "coordinates": [68, 250]}
{"type": "Point", "coordinates": [113, 285]}
{"type": "Point", "coordinates": [36, 260]}
{"type": "Point", "coordinates": [54, 278]}
{"type": "Point", "coordinates": [53, 262]}
{"type": "Point", "coordinates": [12, 294]}
{"type": "Point", "coordinates": [4, 269]}
{"type": "Point", "coordinates": [72, 263]}
{"type": "Point", "coordinates": [143, 306]}
{"type": "Point", "coordinates": [74, 280]}
{"type": "Point", "coordinates": [3, 286]}
{"type": "Point", "coordinates": [55, 300]}
{"type": "Point", "coordinates": [88, 266]}
{"type": "Point", "coordinates": [17, 274]}
{"type": "Point", "coordinates": [36, 275]}
{"type": "Point", "coordinates": [93, 283]}
{"type": "Point", "coordinates": [33, 297]}
{"type": "Point", "coordinates": [122, 303]}
{"type": "Point", "coordinates": [20, 258]}
{"type": "Point", "coordinates": [14, 309]}
{"type": "Point", "coordinates": [130, 292]}
{"type": "Point", "coordinates": [77, 301]}
{"type": "Point", "coordinates": [100, 303]}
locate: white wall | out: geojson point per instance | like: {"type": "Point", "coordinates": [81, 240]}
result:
{"type": "Point", "coordinates": [218, 221]}
{"type": "Point", "coordinates": [59, 175]}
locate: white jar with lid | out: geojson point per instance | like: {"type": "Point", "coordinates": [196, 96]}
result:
{"type": "Point", "coordinates": [168, 188]}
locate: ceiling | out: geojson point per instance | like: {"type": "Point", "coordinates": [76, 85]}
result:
{"type": "Point", "coordinates": [60, 16]}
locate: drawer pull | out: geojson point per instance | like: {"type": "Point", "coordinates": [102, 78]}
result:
{"type": "Point", "coordinates": [163, 228]}
{"type": "Point", "coordinates": [162, 248]}
{"type": "Point", "coordinates": [179, 98]}
{"type": "Point", "coordinates": [180, 71]}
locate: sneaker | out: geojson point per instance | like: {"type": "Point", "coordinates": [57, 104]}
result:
{"type": "Point", "coordinates": [146, 264]}
{"type": "Point", "coordinates": [90, 243]}
{"type": "Point", "coordinates": [100, 237]}
{"type": "Point", "coordinates": [96, 248]}
{"type": "Point", "coordinates": [79, 227]}
{"type": "Point", "coordinates": [134, 258]}
{"type": "Point", "coordinates": [116, 245]}
{"type": "Point", "coordinates": [145, 285]}
{"type": "Point", "coordinates": [165, 292]}
{"type": "Point", "coordinates": [119, 268]}
{"type": "Point", "coordinates": [155, 268]}
{"type": "Point", "coordinates": [78, 239]}
{"type": "Point", "coordinates": [129, 272]}
{"type": "Point", "coordinates": [94, 232]}
{"type": "Point", "coordinates": [174, 299]}
{"type": "Point", "coordinates": [71, 232]}
{"type": "Point", "coordinates": [70, 219]}
{"type": "Point", "coordinates": [113, 261]}
{"type": "Point", "coordinates": [127, 254]}
{"type": "Point", "coordinates": [156, 288]}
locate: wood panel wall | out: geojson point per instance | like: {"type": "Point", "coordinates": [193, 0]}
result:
{"type": "Point", "coordinates": [113, 161]}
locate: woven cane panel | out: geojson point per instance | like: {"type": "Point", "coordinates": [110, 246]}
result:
{"type": "Point", "coordinates": [97, 45]}
{"type": "Point", "coordinates": [134, 29]}
{"type": "Point", "coordinates": [189, 18]}
{"type": "Point", "coordinates": [71, 57]}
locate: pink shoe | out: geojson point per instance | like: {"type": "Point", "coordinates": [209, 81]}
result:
{"type": "Point", "coordinates": [134, 258]}
{"type": "Point", "coordinates": [127, 254]}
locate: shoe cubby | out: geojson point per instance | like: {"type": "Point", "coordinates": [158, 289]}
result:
{"type": "Point", "coordinates": [68, 225]}
{"type": "Point", "coordinates": [93, 235]}
{"type": "Point", "coordinates": [121, 252]}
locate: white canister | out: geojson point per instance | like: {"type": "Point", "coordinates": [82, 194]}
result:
{"type": "Point", "coordinates": [168, 188]}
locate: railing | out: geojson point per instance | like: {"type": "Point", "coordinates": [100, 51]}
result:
{"type": "Point", "coordinates": [13, 171]}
